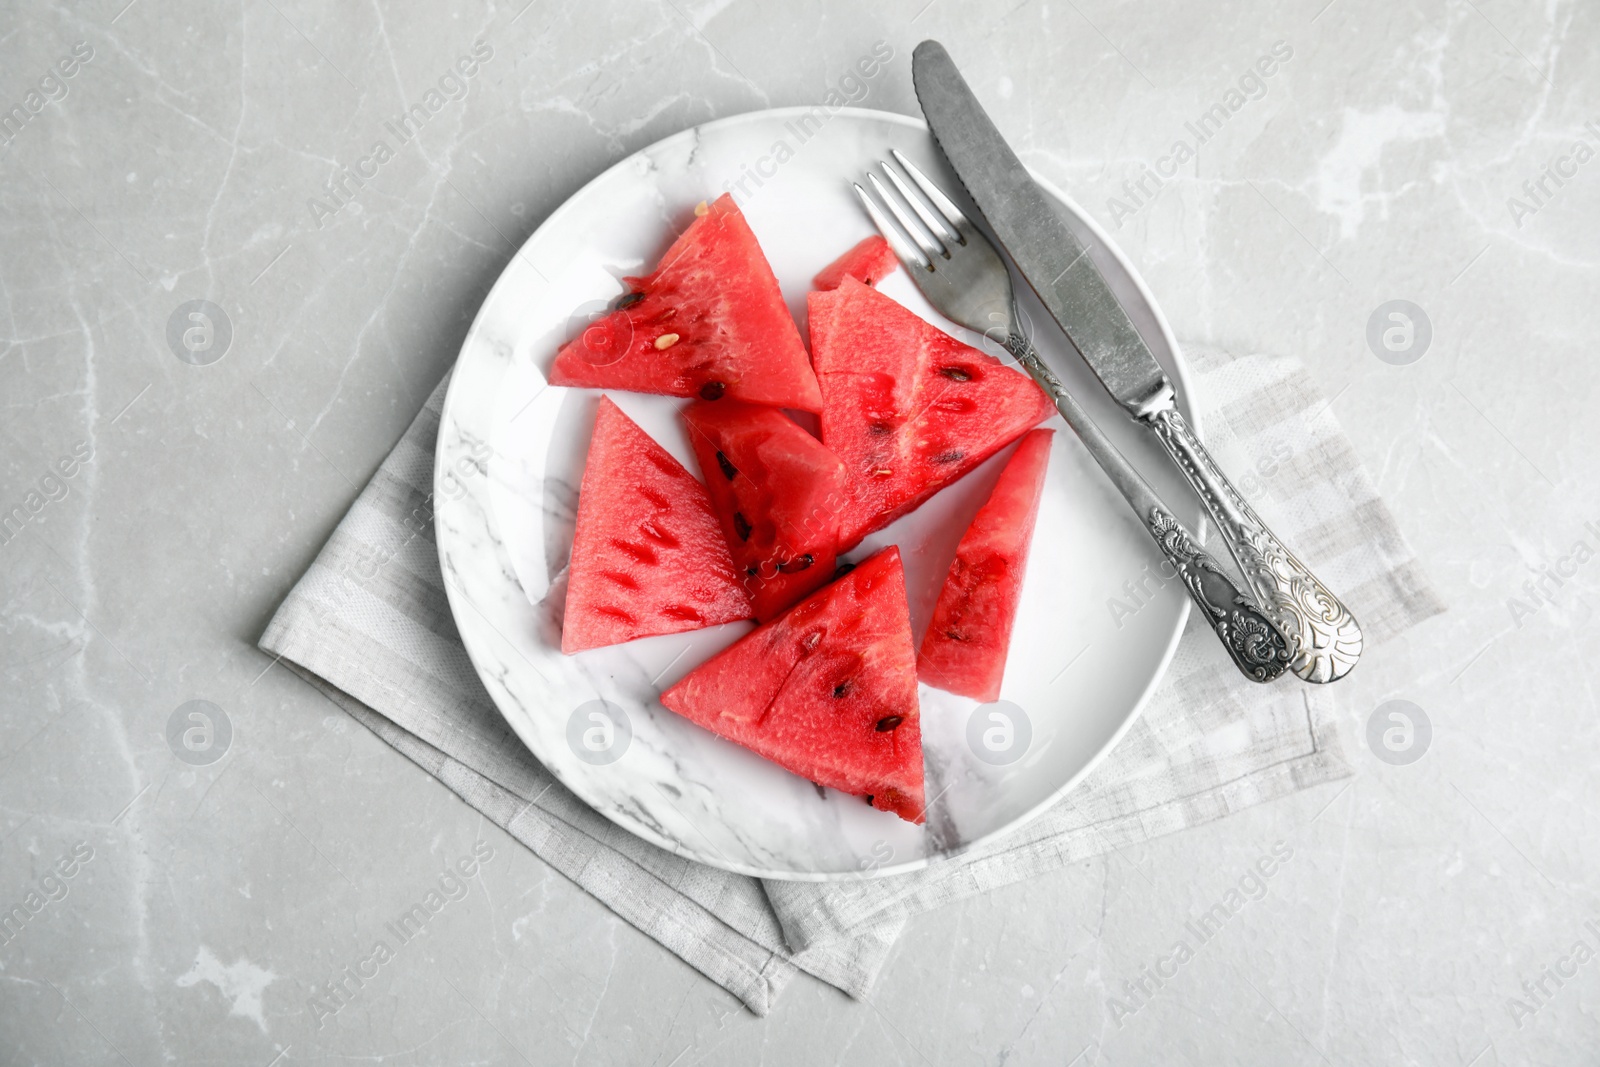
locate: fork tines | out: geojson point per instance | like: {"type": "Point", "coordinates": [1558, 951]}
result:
{"type": "Point", "coordinates": [925, 221]}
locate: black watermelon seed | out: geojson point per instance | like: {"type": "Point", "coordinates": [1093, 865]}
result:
{"type": "Point", "coordinates": [956, 374]}
{"type": "Point", "coordinates": [752, 570]}
{"type": "Point", "coordinates": [878, 429]}
{"type": "Point", "coordinates": [728, 469]}
{"type": "Point", "coordinates": [844, 569]}
{"type": "Point", "coordinates": [889, 722]}
{"type": "Point", "coordinates": [627, 300]}
{"type": "Point", "coordinates": [951, 456]}
{"type": "Point", "coordinates": [844, 687]}
{"type": "Point", "coordinates": [712, 391]}
{"type": "Point", "coordinates": [869, 798]}
{"type": "Point", "coordinates": [741, 526]}
{"type": "Point", "coordinates": [798, 564]}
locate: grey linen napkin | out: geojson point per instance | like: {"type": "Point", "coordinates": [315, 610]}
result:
{"type": "Point", "coordinates": [368, 625]}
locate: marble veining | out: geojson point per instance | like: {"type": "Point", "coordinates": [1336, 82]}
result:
{"type": "Point", "coordinates": [1390, 159]}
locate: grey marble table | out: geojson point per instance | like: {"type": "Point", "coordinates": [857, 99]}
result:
{"type": "Point", "coordinates": [159, 153]}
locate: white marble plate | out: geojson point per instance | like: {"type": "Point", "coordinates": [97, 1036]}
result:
{"type": "Point", "coordinates": [510, 457]}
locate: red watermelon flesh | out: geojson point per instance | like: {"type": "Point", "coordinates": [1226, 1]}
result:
{"type": "Point", "coordinates": [869, 263]}
{"type": "Point", "coordinates": [709, 322]}
{"type": "Point", "coordinates": [777, 491]}
{"type": "Point", "coordinates": [827, 690]}
{"type": "Point", "coordinates": [964, 650]}
{"type": "Point", "coordinates": [647, 557]}
{"type": "Point", "coordinates": [907, 407]}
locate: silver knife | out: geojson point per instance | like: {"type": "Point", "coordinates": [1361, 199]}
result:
{"type": "Point", "coordinates": [1326, 640]}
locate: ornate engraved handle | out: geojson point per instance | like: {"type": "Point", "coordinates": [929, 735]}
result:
{"type": "Point", "coordinates": [1325, 640]}
{"type": "Point", "coordinates": [1258, 647]}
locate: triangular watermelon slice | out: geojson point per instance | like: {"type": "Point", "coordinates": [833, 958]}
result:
{"type": "Point", "coordinates": [827, 690]}
{"type": "Point", "coordinates": [709, 322]}
{"type": "Point", "coordinates": [907, 407]}
{"type": "Point", "coordinates": [868, 262]}
{"type": "Point", "coordinates": [647, 557]}
{"type": "Point", "coordinates": [964, 650]}
{"type": "Point", "coordinates": [777, 491]}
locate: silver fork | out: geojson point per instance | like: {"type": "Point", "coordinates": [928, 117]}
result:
{"type": "Point", "coordinates": [963, 276]}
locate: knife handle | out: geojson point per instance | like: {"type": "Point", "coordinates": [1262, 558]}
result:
{"type": "Point", "coordinates": [1324, 637]}
{"type": "Point", "coordinates": [1255, 644]}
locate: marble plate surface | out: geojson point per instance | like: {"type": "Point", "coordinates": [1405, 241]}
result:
{"type": "Point", "coordinates": [510, 457]}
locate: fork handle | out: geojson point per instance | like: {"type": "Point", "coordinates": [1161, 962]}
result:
{"type": "Point", "coordinates": [1325, 637]}
{"type": "Point", "coordinates": [1255, 644]}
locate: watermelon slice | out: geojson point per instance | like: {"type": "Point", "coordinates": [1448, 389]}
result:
{"type": "Point", "coordinates": [777, 491]}
{"type": "Point", "coordinates": [964, 650]}
{"type": "Point", "coordinates": [708, 322]}
{"type": "Point", "coordinates": [908, 408]}
{"type": "Point", "coordinates": [647, 557]}
{"type": "Point", "coordinates": [827, 690]}
{"type": "Point", "coordinates": [869, 263]}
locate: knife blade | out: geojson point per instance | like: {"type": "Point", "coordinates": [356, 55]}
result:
{"type": "Point", "coordinates": [1048, 254]}
{"type": "Point", "coordinates": [1060, 268]}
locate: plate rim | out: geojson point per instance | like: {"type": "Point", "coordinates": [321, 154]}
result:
{"type": "Point", "coordinates": [1183, 389]}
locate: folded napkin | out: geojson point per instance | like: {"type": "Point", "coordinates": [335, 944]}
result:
{"type": "Point", "coordinates": [369, 626]}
